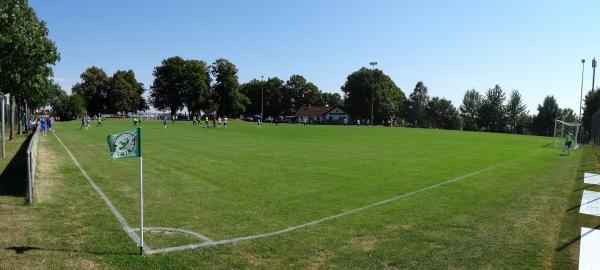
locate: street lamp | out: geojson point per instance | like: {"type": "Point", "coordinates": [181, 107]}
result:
{"type": "Point", "coordinates": [373, 68]}
{"type": "Point", "coordinates": [581, 93]}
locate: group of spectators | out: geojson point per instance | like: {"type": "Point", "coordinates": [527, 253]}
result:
{"type": "Point", "coordinates": [46, 123]}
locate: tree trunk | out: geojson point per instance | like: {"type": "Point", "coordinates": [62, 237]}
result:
{"type": "Point", "coordinates": [12, 118]}
{"type": "Point", "coordinates": [19, 131]}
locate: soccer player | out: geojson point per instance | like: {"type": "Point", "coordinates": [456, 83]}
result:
{"type": "Point", "coordinates": [99, 121]}
{"type": "Point", "coordinates": [206, 125]}
{"type": "Point", "coordinates": [43, 125]}
{"type": "Point", "coordinates": [194, 120]}
{"type": "Point", "coordinates": [225, 122]}
{"type": "Point", "coordinates": [165, 121]}
{"type": "Point", "coordinates": [568, 143]}
{"type": "Point", "coordinates": [219, 122]}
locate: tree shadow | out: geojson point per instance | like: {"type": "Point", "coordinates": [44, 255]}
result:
{"type": "Point", "coordinates": [25, 249]}
{"type": "Point", "coordinates": [13, 179]}
{"type": "Point", "coordinates": [574, 240]}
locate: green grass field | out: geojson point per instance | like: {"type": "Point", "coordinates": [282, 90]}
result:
{"type": "Point", "coordinates": [502, 209]}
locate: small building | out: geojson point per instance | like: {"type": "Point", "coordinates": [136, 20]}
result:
{"type": "Point", "coordinates": [325, 115]}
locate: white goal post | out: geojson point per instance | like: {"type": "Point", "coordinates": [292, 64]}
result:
{"type": "Point", "coordinates": [562, 128]}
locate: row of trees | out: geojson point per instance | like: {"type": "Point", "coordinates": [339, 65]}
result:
{"type": "Point", "coordinates": [197, 86]}
{"type": "Point", "coordinates": [494, 112]}
{"type": "Point", "coordinates": [26, 56]}
{"type": "Point", "coordinates": [102, 94]}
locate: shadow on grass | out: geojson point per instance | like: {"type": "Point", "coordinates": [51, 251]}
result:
{"type": "Point", "coordinates": [13, 179]}
{"type": "Point", "coordinates": [25, 249]}
{"type": "Point", "coordinates": [584, 187]}
{"type": "Point", "coordinates": [588, 163]}
{"type": "Point", "coordinates": [574, 240]}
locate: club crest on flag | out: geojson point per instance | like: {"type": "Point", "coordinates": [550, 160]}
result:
{"type": "Point", "coordinates": [124, 144]}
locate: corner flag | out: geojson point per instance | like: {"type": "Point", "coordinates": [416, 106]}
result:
{"type": "Point", "coordinates": [129, 144]}
{"type": "Point", "coordinates": [125, 144]}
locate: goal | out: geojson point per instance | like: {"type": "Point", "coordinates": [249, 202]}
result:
{"type": "Point", "coordinates": [562, 128]}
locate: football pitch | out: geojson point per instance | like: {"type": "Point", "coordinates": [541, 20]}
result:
{"type": "Point", "coordinates": [312, 196]}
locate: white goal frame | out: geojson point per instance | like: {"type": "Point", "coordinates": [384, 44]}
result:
{"type": "Point", "coordinates": [560, 132]}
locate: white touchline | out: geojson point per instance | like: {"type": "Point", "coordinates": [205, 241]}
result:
{"type": "Point", "coordinates": [130, 231]}
{"type": "Point", "coordinates": [314, 222]}
{"type": "Point", "coordinates": [209, 242]}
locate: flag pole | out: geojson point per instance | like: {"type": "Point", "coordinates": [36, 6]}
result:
{"type": "Point", "coordinates": [141, 193]}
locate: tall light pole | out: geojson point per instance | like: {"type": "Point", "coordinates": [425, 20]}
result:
{"type": "Point", "coordinates": [262, 83]}
{"type": "Point", "coordinates": [373, 68]}
{"type": "Point", "coordinates": [581, 94]}
{"type": "Point", "coordinates": [594, 71]}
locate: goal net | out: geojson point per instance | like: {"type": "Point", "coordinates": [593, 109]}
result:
{"type": "Point", "coordinates": [562, 128]}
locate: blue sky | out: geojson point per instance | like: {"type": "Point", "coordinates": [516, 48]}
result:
{"type": "Point", "coordinates": [533, 46]}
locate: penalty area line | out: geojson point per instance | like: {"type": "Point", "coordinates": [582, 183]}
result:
{"type": "Point", "coordinates": [314, 222]}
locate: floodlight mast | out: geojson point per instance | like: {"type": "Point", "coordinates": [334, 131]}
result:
{"type": "Point", "coordinates": [581, 93]}
{"type": "Point", "coordinates": [262, 83]}
{"type": "Point", "coordinates": [593, 72]}
{"type": "Point", "coordinates": [373, 64]}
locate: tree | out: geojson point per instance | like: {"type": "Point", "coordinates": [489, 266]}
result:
{"type": "Point", "coordinates": [26, 54]}
{"type": "Point", "coordinates": [124, 92]}
{"type": "Point", "coordinates": [300, 92]}
{"type": "Point", "coordinates": [543, 122]}
{"type": "Point", "coordinates": [329, 99]}
{"type": "Point", "coordinates": [26, 50]}
{"type": "Point", "coordinates": [197, 89]}
{"type": "Point", "coordinates": [515, 111]}
{"type": "Point", "coordinates": [252, 90]}
{"type": "Point", "coordinates": [93, 90]}
{"type": "Point", "coordinates": [67, 107]}
{"type": "Point", "coordinates": [491, 111]}
{"type": "Point", "coordinates": [274, 92]}
{"type": "Point", "coordinates": [388, 98]}
{"type": "Point", "coordinates": [167, 90]}
{"type": "Point", "coordinates": [273, 95]}
{"type": "Point", "coordinates": [227, 88]}
{"type": "Point", "coordinates": [41, 91]}
{"type": "Point", "coordinates": [469, 110]}
{"type": "Point", "coordinates": [136, 96]}
{"type": "Point", "coordinates": [417, 106]}
{"type": "Point", "coordinates": [440, 113]}
{"type": "Point", "coordinates": [591, 105]}
{"type": "Point", "coordinates": [567, 115]}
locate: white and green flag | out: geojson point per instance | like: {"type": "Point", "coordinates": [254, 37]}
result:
{"type": "Point", "coordinates": [129, 144]}
{"type": "Point", "coordinates": [125, 144]}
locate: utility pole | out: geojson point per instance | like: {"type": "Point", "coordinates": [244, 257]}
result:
{"type": "Point", "coordinates": [581, 94]}
{"type": "Point", "coordinates": [373, 64]}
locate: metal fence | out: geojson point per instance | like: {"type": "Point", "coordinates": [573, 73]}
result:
{"type": "Point", "coordinates": [32, 154]}
{"type": "Point", "coordinates": [595, 128]}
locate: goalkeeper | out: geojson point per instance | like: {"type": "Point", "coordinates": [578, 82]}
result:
{"type": "Point", "coordinates": [568, 142]}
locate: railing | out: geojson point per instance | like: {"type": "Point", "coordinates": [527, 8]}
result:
{"type": "Point", "coordinates": [32, 154]}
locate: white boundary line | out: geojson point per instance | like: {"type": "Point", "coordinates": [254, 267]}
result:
{"type": "Point", "coordinates": [130, 231]}
{"type": "Point", "coordinates": [209, 242]}
{"type": "Point", "coordinates": [314, 222]}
